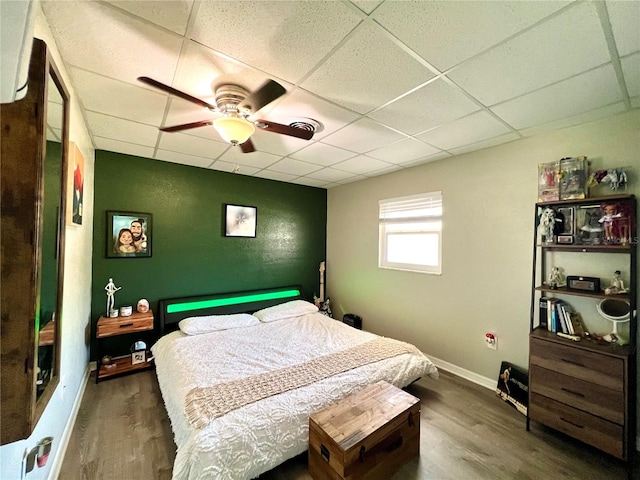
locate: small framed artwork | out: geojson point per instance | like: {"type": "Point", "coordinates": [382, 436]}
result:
{"type": "Point", "coordinates": [240, 221]}
{"type": "Point", "coordinates": [128, 234]}
{"type": "Point", "coordinates": [76, 171]}
{"type": "Point", "coordinates": [138, 357]}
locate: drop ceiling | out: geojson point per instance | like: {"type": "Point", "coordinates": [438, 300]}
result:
{"type": "Point", "coordinates": [394, 83]}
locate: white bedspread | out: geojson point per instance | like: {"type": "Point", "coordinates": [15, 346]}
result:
{"type": "Point", "coordinates": [257, 437]}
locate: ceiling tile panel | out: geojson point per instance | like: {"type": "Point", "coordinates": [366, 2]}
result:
{"type": "Point", "coordinates": [285, 39]}
{"type": "Point", "coordinates": [403, 151]}
{"type": "Point", "coordinates": [363, 136]}
{"type": "Point", "coordinates": [277, 144]}
{"type": "Point", "coordinates": [367, 6]}
{"type": "Point", "coordinates": [117, 146]}
{"type": "Point", "coordinates": [200, 147]}
{"type": "Point", "coordinates": [271, 175]}
{"type": "Point", "coordinates": [322, 154]}
{"type": "Point", "coordinates": [330, 175]}
{"type": "Point", "coordinates": [119, 129]}
{"type": "Point", "coordinates": [434, 104]}
{"type": "Point", "coordinates": [172, 15]}
{"type": "Point", "coordinates": [361, 164]}
{"type": "Point", "coordinates": [363, 73]}
{"type": "Point", "coordinates": [631, 70]}
{"type": "Point", "coordinates": [294, 167]}
{"type": "Point", "coordinates": [233, 168]}
{"type": "Point", "coordinates": [118, 99]}
{"type": "Point", "coordinates": [625, 23]}
{"type": "Point", "coordinates": [310, 182]}
{"type": "Point", "coordinates": [474, 128]}
{"type": "Point", "coordinates": [546, 54]}
{"type": "Point", "coordinates": [257, 160]}
{"type": "Point", "coordinates": [446, 33]}
{"type": "Point", "coordinates": [183, 159]}
{"type": "Point", "coordinates": [303, 104]}
{"type": "Point", "coordinates": [492, 142]}
{"type": "Point", "coordinates": [585, 92]}
{"type": "Point", "coordinates": [95, 37]}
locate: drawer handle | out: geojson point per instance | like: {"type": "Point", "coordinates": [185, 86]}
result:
{"type": "Point", "coordinates": [324, 451]}
{"type": "Point", "coordinates": [571, 423]}
{"type": "Point", "coordinates": [577, 394]}
{"type": "Point", "coordinates": [126, 325]}
{"type": "Point", "coordinates": [572, 362]}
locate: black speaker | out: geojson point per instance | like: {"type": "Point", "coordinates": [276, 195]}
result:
{"type": "Point", "coordinates": [352, 320]}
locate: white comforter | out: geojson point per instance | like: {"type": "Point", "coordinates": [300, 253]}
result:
{"type": "Point", "coordinates": [257, 437]}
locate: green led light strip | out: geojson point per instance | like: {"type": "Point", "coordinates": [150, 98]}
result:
{"type": "Point", "coordinates": [221, 302]}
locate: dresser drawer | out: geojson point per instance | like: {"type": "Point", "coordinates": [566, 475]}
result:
{"type": "Point", "coordinates": [578, 363]}
{"type": "Point", "coordinates": [595, 399]}
{"type": "Point", "coordinates": [607, 436]}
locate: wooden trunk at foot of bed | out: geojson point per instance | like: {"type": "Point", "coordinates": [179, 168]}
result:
{"type": "Point", "coordinates": [366, 436]}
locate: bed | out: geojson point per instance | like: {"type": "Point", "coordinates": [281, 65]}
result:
{"type": "Point", "coordinates": [239, 390]}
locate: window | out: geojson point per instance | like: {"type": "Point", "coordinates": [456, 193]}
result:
{"type": "Point", "coordinates": [411, 233]}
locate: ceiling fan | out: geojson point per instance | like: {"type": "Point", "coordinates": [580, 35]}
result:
{"type": "Point", "coordinates": [236, 104]}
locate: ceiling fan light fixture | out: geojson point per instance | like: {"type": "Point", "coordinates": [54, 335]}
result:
{"type": "Point", "coordinates": [234, 130]}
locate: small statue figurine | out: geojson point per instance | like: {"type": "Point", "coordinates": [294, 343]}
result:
{"type": "Point", "coordinates": [557, 278]}
{"type": "Point", "coordinates": [616, 286]}
{"type": "Point", "coordinates": [111, 289]}
{"type": "Point", "coordinates": [547, 224]}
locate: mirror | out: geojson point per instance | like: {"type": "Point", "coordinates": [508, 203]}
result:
{"type": "Point", "coordinates": [34, 148]}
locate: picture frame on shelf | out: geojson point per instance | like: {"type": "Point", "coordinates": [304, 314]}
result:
{"type": "Point", "coordinates": [128, 234]}
{"type": "Point", "coordinates": [240, 221]}
{"type": "Point", "coordinates": [138, 357]}
{"type": "Point", "coordinates": [548, 181]}
{"type": "Point", "coordinates": [573, 178]}
{"type": "Point", "coordinates": [567, 215]}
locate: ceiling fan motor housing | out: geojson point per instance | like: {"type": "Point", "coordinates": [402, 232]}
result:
{"type": "Point", "coordinates": [228, 97]}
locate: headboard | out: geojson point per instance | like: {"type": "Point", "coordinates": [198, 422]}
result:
{"type": "Point", "coordinates": [172, 310]}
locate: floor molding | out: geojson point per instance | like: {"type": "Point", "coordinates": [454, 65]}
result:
{"type": "Point", "coordinates": [71, 421]}
{"type": "Point", "coordinates": [489, 383]}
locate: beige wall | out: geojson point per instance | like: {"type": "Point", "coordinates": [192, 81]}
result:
{"type": "Point", "coordinates": [488, 231]}
{"type": "Point", "coordinates": [76, 305]}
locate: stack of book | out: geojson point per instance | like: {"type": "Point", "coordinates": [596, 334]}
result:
{"type": "Point", "coordinates": [557, 316]}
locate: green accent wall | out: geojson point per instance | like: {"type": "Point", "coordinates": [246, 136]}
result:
{"type": "Point", "coordinates": [190, 254]}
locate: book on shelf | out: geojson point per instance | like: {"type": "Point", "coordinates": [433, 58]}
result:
{"type": "Point", "coordinates": [543, 309]}
{"type": "Point", "coordinates": [565, 308]}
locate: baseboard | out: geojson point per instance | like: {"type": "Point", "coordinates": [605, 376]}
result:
{"type": "Point", "coordinates": [489, 383]}
{"type": "Point", "coordinates": [54, 473]}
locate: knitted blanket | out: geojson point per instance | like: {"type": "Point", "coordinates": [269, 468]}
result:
{"type": "Point", "coordinates": [203, 404]}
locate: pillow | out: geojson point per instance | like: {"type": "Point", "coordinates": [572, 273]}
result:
{"type": "Point", "coordinates": [213, 323]}
{"type": "Point", "coordinates": [294, 308]}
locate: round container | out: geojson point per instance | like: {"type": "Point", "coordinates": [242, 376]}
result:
{"type": "Point", "coordinates": [126, 311]}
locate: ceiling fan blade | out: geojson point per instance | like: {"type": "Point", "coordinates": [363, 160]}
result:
{"type": "Point", "coordinates": [266, 94]}
{"type": "Point", "coordinates": [187, 126]}
{"type": "Point", "coordinates": [268, 126]}
{"type": "Point", "coordinates": [247, 147]}
{"type": "Point", "coordinates": [177, 93]}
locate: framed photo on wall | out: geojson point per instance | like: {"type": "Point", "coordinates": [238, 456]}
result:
{"type": "Point", "coordinates": [128, 234]}
{"type": "Point", "coordinates": [240, 221]}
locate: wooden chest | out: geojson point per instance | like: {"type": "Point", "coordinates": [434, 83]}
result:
{"type": "Point", "coordinates": [367, 435]}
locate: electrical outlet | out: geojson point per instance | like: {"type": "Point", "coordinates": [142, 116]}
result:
{"type": "Point", "coordinates": [491, 339]}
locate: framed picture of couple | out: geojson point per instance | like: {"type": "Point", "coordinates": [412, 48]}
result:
{"type": "Point", "coordinates": [128, 234]}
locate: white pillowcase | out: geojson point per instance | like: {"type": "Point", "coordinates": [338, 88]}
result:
{"type": "Point", "coordinates": [213, 323]}
{"type": "Point", "coordinates": [294, 308]}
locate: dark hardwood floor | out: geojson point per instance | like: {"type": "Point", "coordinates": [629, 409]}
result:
{"type": "Point", "coordinates": [467, 432]}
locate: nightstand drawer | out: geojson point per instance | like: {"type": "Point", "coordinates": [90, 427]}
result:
{"type": "Point", "coordinates": [575, 362]}
{"type": "Point", "coordinates": [595, 399]}
{"type": "Point", "coordinates": [137, 322]}
{"type": "Point", "coordinates": [606, 436]}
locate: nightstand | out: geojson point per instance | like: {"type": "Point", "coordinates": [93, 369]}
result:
{"type": "Point", "coordinates": [110, 327]}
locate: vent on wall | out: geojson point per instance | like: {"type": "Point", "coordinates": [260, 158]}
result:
{"type": "Point", "coordinates": [16, 39]}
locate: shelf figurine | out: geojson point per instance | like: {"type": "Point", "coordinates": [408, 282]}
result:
{"type": "Point", "coordinates": [548, 224]}
{"type": "Point", "coordinates": [616, 286]}
{"type": "Point", "coordinates": [557, 278]}
{"type": "Point", "coordinates": [111, 289]}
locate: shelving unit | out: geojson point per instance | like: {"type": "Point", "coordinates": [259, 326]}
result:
{"type": "Point", "coordinates": [585, 388]}
{"type": "Point", "coordinates": [110, 327]}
